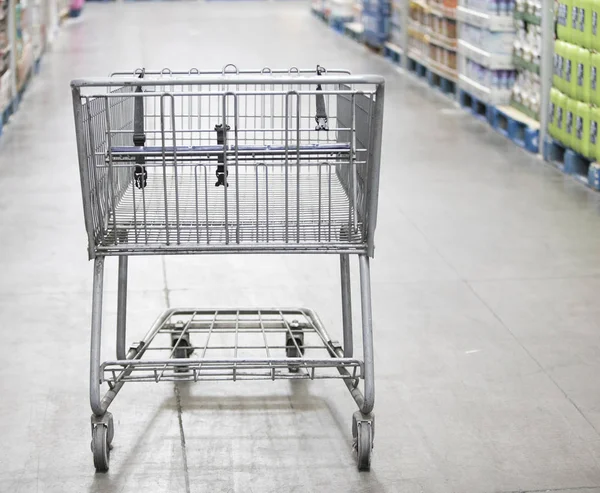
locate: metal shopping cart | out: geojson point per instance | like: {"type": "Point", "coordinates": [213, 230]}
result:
{"type": "Point", "coordinates": [258, 161]}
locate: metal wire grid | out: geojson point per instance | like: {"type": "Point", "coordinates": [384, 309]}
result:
{"type": "Point", "coordinates": [263, 206]}
{"type": "Point", "coordinates": [235, 345]}
{"type": "Point", "coordinates": [186, 116]}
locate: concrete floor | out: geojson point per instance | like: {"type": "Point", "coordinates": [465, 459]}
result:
{"type": "Point", "coordinates": [485, 286]}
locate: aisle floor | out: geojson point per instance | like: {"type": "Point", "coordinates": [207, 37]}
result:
{"type": "Point", "coordinates": [485, 288]}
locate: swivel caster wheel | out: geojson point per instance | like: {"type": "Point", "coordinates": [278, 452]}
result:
{"type": "Point", "coordinates": [294, 345]}
{"type": "Point", "coordinates": [182, 346]}
{"type": "Point", "coordinates": [363, 432]}
{"type": "Point", "coordinates": [103, 432]}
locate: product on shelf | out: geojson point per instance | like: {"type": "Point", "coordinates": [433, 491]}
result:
{"type": "Point", "coordinates": [396, 23]}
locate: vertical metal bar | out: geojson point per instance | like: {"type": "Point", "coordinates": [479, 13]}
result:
{"type": "Point", "coordinates": [122, 307]}
{"type": "Point", "coordinates": [352, 211]}
{"type": "Point", "coordinates": [225, 186]}
{"type": "Point", "coordinates": [287, 161]}
{"type": "Point", "coordinates": [237, 169]}
{"type": "Point", "coordinates": [111, 187]}
{"type": "Point", "coordinates": [367, 333]}
{"type": "Point", "coordinates": [196, 199]}
{"type": "Point", "coordinates": [206, 203]}
{"type": "Point", "coordinates": [297, 167]}
{"type": "Point", "coordinates": [320, 225]}
{"type": "Point", "coordinates": [96, 340]}
{"type": "Point", "coordinates": [373, 166]}
{"type": "Point", "coordinates": [164, 167]}
{"type": "Point", "coordinates": [346, 305]}
{"type": "Point", "coordinates": [175, 166]}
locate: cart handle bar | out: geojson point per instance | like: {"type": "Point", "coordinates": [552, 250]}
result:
{"type": "Point", "coordinates": [230, 79]}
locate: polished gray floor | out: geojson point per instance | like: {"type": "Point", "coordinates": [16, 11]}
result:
{"type": "Point", "coordinates": [486, 284]}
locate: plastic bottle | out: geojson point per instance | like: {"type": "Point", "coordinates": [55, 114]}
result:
{"type": "Point", "coordinates": [583, 91]}
{"type": "Point", "coordinates": [595, 28]}
{"type": "Point", "coordinates": [594, 128]}
{"type": "Point", "coordinates": [571, 106]}
{"type": "Point", "coordinates": [581, 132]}
{"type": "Point", "coordinates": [585, 23]}
{"type": "Point", "coordinates": [571, 52]}
{"type": "Point", "coordinates": [559, 66]}
{"type": "Point", "coordinates": [563, 27]}
{"type": "Point", "coordinates": [552, 113]}
{"type": "Point", "coordinates": [594, 78]}
{"type": "Point", "coordinates": [561, 113]}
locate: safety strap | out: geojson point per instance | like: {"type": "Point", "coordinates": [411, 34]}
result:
{"type": "Point", "coordinates": [321, 115]}
{"type": "Point", "coordinates": [221, 174]}
{"type": "Point", "coordinates": [140, 174]}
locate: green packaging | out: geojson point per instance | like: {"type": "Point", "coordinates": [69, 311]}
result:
{"type": "Point", "coordinates": [595, 31]}
{"type": "Point", "coordinates": [583, 91]}
{"type": "Point", "coordinates": [571, 107]}
{"type": "Point", "coordinates": [585, 23]}
{"type": "Point", "coordinates": [558, 79]}
{"type": "Point", "coordinates": [594, 140]}
{"type": "Point", "coordinates": [570, 69]}
{"type": "Point", "coordinates": [594, 72]}
{"type": "Point", "coordinates": [552, 114]}
{"type": "Point", "coordinates": [564, 21]}
{"type": "Point", "coordinates": [561, 116]}
{"type": "Point", "coordinates": [581, 132]}
{"type": "Point", "coordinates": [576, 32]}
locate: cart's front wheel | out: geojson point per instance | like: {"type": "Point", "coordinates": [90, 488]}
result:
{"type": "Point", "coordinates": [294, 345]}
{"type": "Point", "coordinates": [100, 447]}
{"type": "Point", "coordinates": [363, 432]}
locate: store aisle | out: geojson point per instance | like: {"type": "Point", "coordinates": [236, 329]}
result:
{"type": "Point", "coordinates": [485, 286]}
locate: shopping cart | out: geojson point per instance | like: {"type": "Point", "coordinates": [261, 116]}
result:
{"type": "Point", "coordinates": [265, 161]}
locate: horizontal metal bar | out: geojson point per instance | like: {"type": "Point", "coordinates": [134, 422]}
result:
{"type": "Point", "coordinates": [231, 79]}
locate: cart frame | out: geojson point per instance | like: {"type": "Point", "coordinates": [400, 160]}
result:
{"type": "Point", "coordinates": [118, 164]}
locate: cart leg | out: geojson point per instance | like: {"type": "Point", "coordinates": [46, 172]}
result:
{"type": "Point", "coordinates": [102, 422]}
{"type": "Point", "coordinates": [97, 408]}
{"type": "Point", "coordinates": [346, 305]}
{"type": "Point", "coordinates": [122, 308]}
{"type": "Point", "coordinates": [367, 326]}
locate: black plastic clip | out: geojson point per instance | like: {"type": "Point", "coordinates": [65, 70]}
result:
{"type": "Point", "coordinates": [221, 174]}
{"type": "Point", "coordinates": [140, 174]}
{"type": "Point", "coordinates": [321, 115]}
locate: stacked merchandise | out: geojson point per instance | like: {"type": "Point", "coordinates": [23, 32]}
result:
{"type": "Point", "coordinates": [486, 37]}
{"type": "Point", "coordinates": [39, 27]}
{"type": "Point", "coordinates": [396, 24]}
{"type": "Point", "coordinates": [23, 45]}
{"type": "Point", "coordinates": [5, 53]}
{"type": "Point", "coordinates": [418, 27]}
{"type": "Point", "coordinates": [442, 38]}
{"type": "Point", "coordinates": [526, 57]}
{"type": "Point", "coordinates": [375, 18]}
{"type": "Point", "coordinates": [575, 99]}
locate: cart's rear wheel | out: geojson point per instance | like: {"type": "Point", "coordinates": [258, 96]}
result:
{"type": "Point", "coordinates": [294, 345]}
{"type": "Point", "coordinates": [111, 430]}
{"type": "Point", "coordinates": [100, 447]}
{"type": "Point", "coordinates": [363, 432]}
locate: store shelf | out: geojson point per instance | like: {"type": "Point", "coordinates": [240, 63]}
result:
{"type": "Point", "coordinates": [485, 58]}
{"type": "Point", "coordinates": [442, 11]}
{"type": "Point", "coordinates": [417, 27]}
{"type": "Point", "coordinates": [441, 40]}
{"type": "Point", "coordinates": [526, 112]}
{"type": "Point", "coordinates": [417, 54]}
{"type": "Point", "coordinates": [420, 3]}
{"type": "Point", "coordinates": [442, 70]}
{"type": "Point", "coordinates": [522, 64]}
{"type": "Point", "coordinates": [483, 93]}
{"type": "Point", "coordinates": [527, 17]}
{"type": "Point", "coordinates": [481, 19]}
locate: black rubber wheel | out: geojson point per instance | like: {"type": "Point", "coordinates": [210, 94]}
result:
{"type": "Point", "coordinates": [364, 445]}
{"type": "Point", "coordinates": [294, 348]}
{"type": "Point", "coordinates": [100, 448]}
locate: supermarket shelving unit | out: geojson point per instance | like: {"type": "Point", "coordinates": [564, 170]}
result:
{"type": "Point", "coordinates": [27, 28]}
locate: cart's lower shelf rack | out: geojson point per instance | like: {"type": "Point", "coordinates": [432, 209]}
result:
{"type": "Point", "coordinates": [265, 344]}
